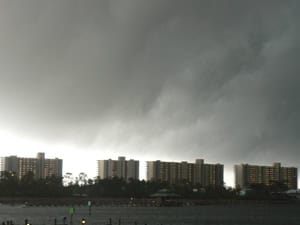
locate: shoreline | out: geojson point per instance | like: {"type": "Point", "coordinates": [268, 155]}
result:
{"type": "Point", "coordinates": [145, 202]}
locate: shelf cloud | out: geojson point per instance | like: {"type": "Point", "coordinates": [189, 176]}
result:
{"type": "Point", "coordinates": [168, 79]}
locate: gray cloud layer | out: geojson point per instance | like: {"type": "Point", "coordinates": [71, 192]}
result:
{"type": "Point", "coordinates": [172, 79]}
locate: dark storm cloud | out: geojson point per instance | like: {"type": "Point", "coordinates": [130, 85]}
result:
{"type": "Point", "coordinates": [212, 79]}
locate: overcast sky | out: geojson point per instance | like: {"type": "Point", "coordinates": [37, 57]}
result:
{"type": "Point", "coordinates": [160, 79]}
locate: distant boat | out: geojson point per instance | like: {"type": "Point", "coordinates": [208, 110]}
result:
{"type": "Point", "coordinates": [165, 193]}
{"type": "Point", "coordinates": [167, 198]}
{"type": "Point", "coordinates": [294, 193]}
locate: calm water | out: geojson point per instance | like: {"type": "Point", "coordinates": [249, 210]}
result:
{"type": "Point", "coordinates": [206, 215]}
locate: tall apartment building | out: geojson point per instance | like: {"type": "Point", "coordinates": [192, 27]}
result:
{"type": "Point", "coordinates": [246, 175]}
{"type": "Point", "coordinates": [194, 173]}
{"type": "Point", "coordinates": [122, 168]}
{"type": "Point", "coordinates": [40, 166]}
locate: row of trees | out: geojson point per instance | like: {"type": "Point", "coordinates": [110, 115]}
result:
{"type": "Point", "coordinates": [11, 186]}
{"type": "Point", "coordinates": [29, 186]}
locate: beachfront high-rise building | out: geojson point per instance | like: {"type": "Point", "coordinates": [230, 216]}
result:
{"type": "Point", "coordinates": [246, 175]}
{"type": "Point", "coordinates": [9, 164]}
{"type": "Point", "coordinates": [194, 173]}
{"type": "Point", "coordinates": [40, 166]}
{"type": "Point", "coordinates": [122, 168]}
{"type": "Point", "coordinates": [132, 169]}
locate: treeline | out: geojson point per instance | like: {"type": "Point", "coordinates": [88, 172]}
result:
{"type": "Point", "coordinates": [28, 186]}
{"type": "Point", "coordinates": [11, 186]}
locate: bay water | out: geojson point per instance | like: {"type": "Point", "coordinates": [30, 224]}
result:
{"type": "Point", "coordinates": [285, 214]}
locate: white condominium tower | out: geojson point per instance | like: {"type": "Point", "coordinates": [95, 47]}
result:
{"type": "Point", "coordinates": [178, 172]}
{"type": "Point", "coordinates": [121, 168]}
{"type": "Point", "coordinates": [40, 166]}
{"type": "Point", "coordinates": [247, 175]}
